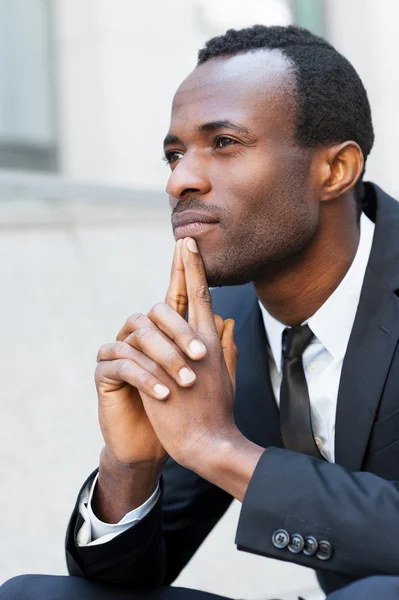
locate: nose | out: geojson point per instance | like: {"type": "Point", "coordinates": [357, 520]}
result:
{"type": "Point", "coordinates": [189, 177]}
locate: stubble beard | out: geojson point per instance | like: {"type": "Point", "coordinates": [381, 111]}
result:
{"type": "Point", "coordinates": [256, 259]}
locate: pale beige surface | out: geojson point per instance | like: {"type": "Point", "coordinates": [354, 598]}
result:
{"type": "Point", "coordinates": [67, 284]}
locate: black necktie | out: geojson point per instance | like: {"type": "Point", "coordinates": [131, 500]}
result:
{"type": "Point", "coordinates": [295, 419]}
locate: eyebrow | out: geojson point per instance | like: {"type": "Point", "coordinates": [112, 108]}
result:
{"type": "Point", "coordinates": [171, 139]}
{"type": "Point", "coordinates": [224, 124]}
{"type": "Point", "coordinates": [211, 126]}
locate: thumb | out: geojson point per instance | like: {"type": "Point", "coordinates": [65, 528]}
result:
{"type": "Point", "coordinates": [219, 322]}
{"type": "Point", "coordinates": [229, 348]}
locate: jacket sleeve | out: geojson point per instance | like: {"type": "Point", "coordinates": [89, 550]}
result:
{"type": "Point", "coordinates": [354, 517]}
{"type": "Point", "coordinates": [154, 550]}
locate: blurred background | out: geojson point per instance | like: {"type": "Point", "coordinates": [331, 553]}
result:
{"type": "Point", "coordinates": [85, 240]}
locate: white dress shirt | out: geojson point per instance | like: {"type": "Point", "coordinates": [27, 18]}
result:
{"type": "Point", "coordinates": [94, 532]}
{"type": "Point", "coordinates": [322, 360]}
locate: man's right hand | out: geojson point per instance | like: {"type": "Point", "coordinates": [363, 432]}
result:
{"type": "Point", "coordinates": [144, 358]}
{"type": "Point", "coordinates": [133, 457]}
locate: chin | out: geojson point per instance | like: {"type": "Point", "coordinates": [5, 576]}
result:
{"type": "Point", "coordinates": [228, 268]}
{"type": "Point", "coordinates": [223, 278]}
{"type": "Point", "coordinates": [236, 272]}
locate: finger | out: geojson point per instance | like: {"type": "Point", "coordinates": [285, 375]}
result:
{"type": "Point", "coordinates": [219, 322]}
{"type": "Point", "coordinates": [150, 341]}
{"type": "Point", "coordinates": [121, 350]}
{"type": "Point", "coordinates": [146, 337]}
{"type": "Point", "coordinates": [132, 323]}
{"type": "Point", "coordinates": [200, 314]}
{"type": "Point", "coordinates": [176, 328]}
{"type": "Point", "coordinates": [229, 348]}
{"type": "Point", "coordinates": [132, 373]}
{"type": "Point", "coordinates": [176, 296]}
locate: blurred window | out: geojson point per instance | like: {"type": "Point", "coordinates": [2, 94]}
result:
{"type": "Point", "coordinates": [218, 15]}
{"type": "Point", "coordinates": [27, 129]}
{"type": "Point", "coordinates": [310, 14]}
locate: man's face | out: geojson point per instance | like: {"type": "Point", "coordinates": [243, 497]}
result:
{"type": "Point", "coordinates": [236, 165]}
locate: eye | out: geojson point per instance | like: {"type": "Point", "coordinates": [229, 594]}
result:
{"type": "Point", "coordinates": [172, 157]}
{"type": "Point", "coordinates": [224, 142]}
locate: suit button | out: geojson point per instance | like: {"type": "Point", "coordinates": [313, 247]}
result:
{"type": "Point", "coordinates": [280, 538]}
{"type": "Point", "coordinates": [297, 543]}
{"type": "Point", "coordinates": [325, 550]}
{"type": "Point", "coordinates": [311, 545]}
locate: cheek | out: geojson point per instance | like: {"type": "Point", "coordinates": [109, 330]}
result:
{"type": "Point", "coordinates": [256, 199]}
{"type": "Point", "coordinates": [264, 193]}
{"type": "Point", "coordinates": [244, 186]}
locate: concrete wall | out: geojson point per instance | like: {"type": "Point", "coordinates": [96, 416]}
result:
{"type": "Point", "coordinates": [115, 85]}
{"type": "Point", "coordinates": [70, 274]}
{"type": "Point", "coordinates": [119, 62]}
{"type": "Point", "coordinates": [118, 65]}
{"type": "Point", "coordinates": [365, 31]}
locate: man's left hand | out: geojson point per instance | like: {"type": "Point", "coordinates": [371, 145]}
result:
{"type": "Point", "coordinates": [196, 424]}
{"type": "Point", "coordinates": [193, 420]}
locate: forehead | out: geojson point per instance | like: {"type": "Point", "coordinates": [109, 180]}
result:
{"type": "Point", "coordinates": [255, 87]}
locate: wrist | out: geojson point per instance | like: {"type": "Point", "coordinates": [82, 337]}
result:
{"type": "Point", "coordinates": [229, 462]}
{"type": "Point", "coordinates": [123, 487]}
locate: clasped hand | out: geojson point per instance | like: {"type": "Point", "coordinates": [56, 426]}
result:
{"type": "Point", "coordinates": [166, 386]}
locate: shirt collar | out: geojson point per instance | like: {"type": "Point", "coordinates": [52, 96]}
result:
{"type": "Point", "coordinates": [332, 323]}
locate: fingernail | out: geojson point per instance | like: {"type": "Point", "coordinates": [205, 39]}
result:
{"type": "Point", "coordinates": [196, 347]}
{"type": "Point", "coordinates": [192, 245]}
{"type": "Point", "coordinates": [161, 390]}
{"type": "Point", "coordinates": [186, 376]}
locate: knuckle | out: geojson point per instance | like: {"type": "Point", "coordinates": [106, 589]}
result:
{"type": "Point", "coordinates": [143, 378]}
{"type": "Point", "coordinates": [202, 294]}
{"type": "Point", "coordinates": [121, 367]}
{"type": "Point", "coordinates": [180, 300]}
{"type": "Point", "coordinates": [118, 350]}
{"type": "Point", "coordinates": [98, 373]}
{"type": "Point", "coordinates": [101, 374]}
{"type": "Point", "coordinates": [157, 310]}
{"type": "Point", "coordinates": [173, 358]}
{"type": "Point", "coordinates": [112, 351]}
{"type": "Point", "coordinates": [135, 321]}
{"type": "Point", "coordinates": [102, 352]}
{"type": "Point", "coordinates": [143, 334]}
{"type": "Point", "coordinates": [185, 328]}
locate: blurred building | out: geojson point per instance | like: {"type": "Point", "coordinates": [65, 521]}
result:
{"type": "Point", "coordinates": [86, 87]}
{"type": "Point", "coordinates": [85, 94]}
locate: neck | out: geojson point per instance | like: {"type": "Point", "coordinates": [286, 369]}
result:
{"type": "Point", "coordinates": [294, 293]}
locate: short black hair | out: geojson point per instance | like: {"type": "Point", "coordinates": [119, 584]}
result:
{"type": "Point", "coordinates": [332, 103]}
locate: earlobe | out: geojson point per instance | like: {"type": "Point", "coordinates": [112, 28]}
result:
{"type": "Point", "coordinates": [345, 164]}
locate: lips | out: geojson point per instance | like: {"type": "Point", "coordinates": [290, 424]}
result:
{"type": "Point", "coordinates": [191, 224]}
{"type": "Point", "coordinates": [187, 217]}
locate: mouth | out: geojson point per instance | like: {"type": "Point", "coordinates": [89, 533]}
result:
{"type": "Point", "coordinates": [192, 224]}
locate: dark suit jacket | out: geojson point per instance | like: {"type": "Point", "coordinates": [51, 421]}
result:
{"type": "Point", "coordinates": [353, 504]}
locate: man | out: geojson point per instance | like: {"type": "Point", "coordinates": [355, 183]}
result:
{"type": "Point", "coordinates": [267, 145]}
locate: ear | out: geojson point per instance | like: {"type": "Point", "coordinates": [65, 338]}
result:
{"type": "Point", "coordinates": [342, 166]}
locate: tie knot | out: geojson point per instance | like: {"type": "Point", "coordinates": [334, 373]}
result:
{"type": "Point", "coordinates": [297, 339]}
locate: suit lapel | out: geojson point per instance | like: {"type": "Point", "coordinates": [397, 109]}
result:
{"type": "Point", "coordinates": [374, 336]}
{"type": "Point", "coordinates": [370, 350]}
{"type": "Point", "coordinates": [256, 412]}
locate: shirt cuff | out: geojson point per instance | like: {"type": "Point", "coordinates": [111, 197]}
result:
{"type": "Point", "coordinates": [94, 532]}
